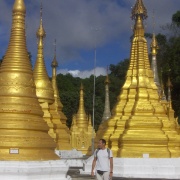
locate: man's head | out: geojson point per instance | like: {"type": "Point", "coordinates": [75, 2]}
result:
{"type": "Point", "coordinates": [102, 144]}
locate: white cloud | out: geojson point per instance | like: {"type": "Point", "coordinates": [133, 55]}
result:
{"type": "Point", "coordinates": [84, 74]}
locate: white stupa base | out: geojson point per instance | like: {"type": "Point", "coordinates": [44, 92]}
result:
{"type": "Point", "coordinates": [69, 153]}
{"type": "Point", "coordinates": [33, 170]}
{"type": "Point", "coordinates": [72, 158]}
{"type": "Point", "coordinates": [78, 163]}
{"type": "Point", "coordinates": [166, 168]}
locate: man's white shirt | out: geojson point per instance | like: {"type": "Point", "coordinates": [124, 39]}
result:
{"type": "Point", "coordinates": [103, 162]}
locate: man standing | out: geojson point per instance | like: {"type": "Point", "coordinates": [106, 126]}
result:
{"type": "Point", "coordinates": [103, 160]}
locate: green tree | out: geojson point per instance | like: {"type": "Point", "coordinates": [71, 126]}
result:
{"type": "Point", "coordinates": [176, 18]}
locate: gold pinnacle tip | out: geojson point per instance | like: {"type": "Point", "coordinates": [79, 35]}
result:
{"type": "Point", "coordinates": [19, 6]}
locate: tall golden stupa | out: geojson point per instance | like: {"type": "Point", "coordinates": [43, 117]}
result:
{"type": "Point", "coordinates": [81, 129]}
{"type": "Point", "coordinates": [140, 124]}
{"type": "Point", "coordinates": [44, 89]}
{"type": "Point", "coordinates": [47, 94]}
{"type": "Point", "coordinates": [62, 131]}
{"type": "Point", "coordinates": [23, 132]}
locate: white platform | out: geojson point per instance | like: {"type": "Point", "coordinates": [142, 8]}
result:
{"type": "Point", "coordinates": [69, 153]}
{"type": "Point", "coordinates": [33, 170]}
{"type": "Point", "coordinates": [72, 158]}
{"type": "Point", "coordinates": [167, 168]}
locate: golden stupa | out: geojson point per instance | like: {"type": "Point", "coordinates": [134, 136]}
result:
{"type": "Point", "coordinates": [23, 132]}
{"type": "Point", "coordinates": [47, 95]}
{"type": "Point", "coordinates": [81, 130]}
{"type": "Point", "coordinates": [61, 130]}
{"type": "Point", "coordinates": [140, 124]}
{"type": "Point", "coordinates": [44, 89]}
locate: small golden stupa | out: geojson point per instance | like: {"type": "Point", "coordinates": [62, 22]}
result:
{"type": "Point", "coordinates": [140, 124]}
{"type": "Point", "coordinates": [81, 130]}
{"type": "Point", "coordinates": [61, 130]}
{"type": "Point", "coordinates": [23, 132]}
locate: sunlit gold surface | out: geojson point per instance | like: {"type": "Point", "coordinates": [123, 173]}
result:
{"type": "Point", "coordinates": [21, 117]}
{"type": "Point", "coordinates": [61, 130]}
{"type": "Point", "coordinates": [81, 129]}
{"type": "Point", "coordinates": [44, 89]}
{"type": "Point", "coordinates": [140, 124]}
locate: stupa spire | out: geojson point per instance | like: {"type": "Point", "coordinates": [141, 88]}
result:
{"type": "Point", "coordinates": [154, 45]}
{"type": "Point", "coordinates": [59, 105]}
{"type": "Point", "coordinates": [154, 48]}
{"type": "Point", "coordinates": [21, 118]}
{"type": "Point", "coordinates": [138, 112]}
{"type": "Point", "coordinates": [170, 110]}
{"type": "Point", "coordinates": [58, 117]}
{"type": "Point", "coordinates": [44, 88]}
{"type": "Point", "coordinates": [169, 85]}
{"type": "Point", "coordinates": [81, 116]}
{"type": "Point", "coordinates": [163, 96]}
{"type": "Point", "coordinates": [107, 112]}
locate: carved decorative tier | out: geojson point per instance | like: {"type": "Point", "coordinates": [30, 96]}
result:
{"type": "Point", "coordinates": [140, 125]}
{"type": "Point", "coordinates": [23, 132]}
{"type": "Point", "coordinates": [81, 129]}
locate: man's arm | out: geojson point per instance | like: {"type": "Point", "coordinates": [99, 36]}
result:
{"type": "Point", "coordinates": [111, 167]}
{"type": "Point", "coordinates": [93, 166]}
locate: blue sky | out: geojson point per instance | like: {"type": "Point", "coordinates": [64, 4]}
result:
{"type": "Point", "coordinates": [74, 22]}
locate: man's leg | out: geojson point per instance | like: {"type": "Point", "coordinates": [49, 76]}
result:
{"type": "Point", "coordinates": [106, 176]}
{"type": "Point", "coordinates": [99, 177]}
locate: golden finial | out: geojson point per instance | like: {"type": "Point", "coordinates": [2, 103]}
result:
{"type": "Point", "coordinates": [41, 32]}
{"type": "Point", "coordinates": [139, 13]}
{"type": "Point", "coordinates": [19, 6]}
{"type": "Point", "coordinates": [154, 45]}
{"type": "Point", "coordinates": [54, 63]}
{"type": "Point", "coordinates": [107, 77]}
{"type": "Point", "coordinates": [139, 10]}
{"type": "Point", "coordinates": [82, 87]}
